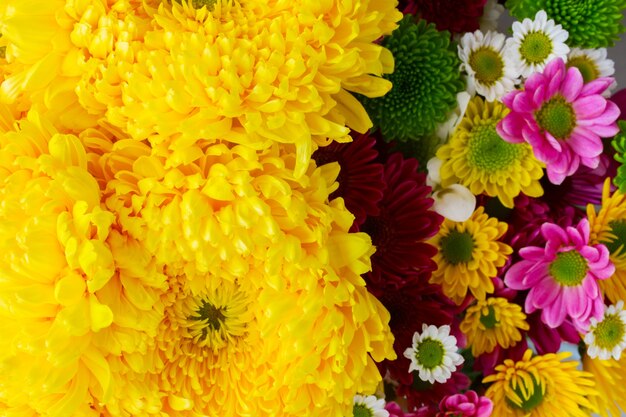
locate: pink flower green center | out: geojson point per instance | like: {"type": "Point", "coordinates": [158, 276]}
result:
{"type": "Point", "coordinates": [457, 247]}
{"type": "Point", "coordinates": [529, 402]}
{"type": "Point", "coordinates": [536, 47]}
{"type": "Point", "coordinates": [487, 64]}
{"type": "Point", "coordinates": [489, 321]}
{"type": "Point", "coordinates": [488, 152]}
{"type": "Point", "coordinates": [569, 268]}
{"type": "Point", "coordinates": [586, 67]}
{"type": "Point", "coordinates": [609, 332]}
{"type": "Point", "coordinates": [430, 353]}
{"type": "Point", "coordinates": [360, 410]}
{"type": "Point", "coordinates": [557, 117]}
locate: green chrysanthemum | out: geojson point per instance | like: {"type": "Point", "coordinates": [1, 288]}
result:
{"type": "Point", "coordinates": [425, 82]}
{"type": "Point", "coordinates": [619, 143]}
{"type": "Point", "coordinates": [590, 23]}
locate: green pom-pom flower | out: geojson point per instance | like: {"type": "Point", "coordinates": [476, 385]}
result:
{"type": "Point", "coordinates": [425, 81]}
{"type": "Point", "coordinates": [590, 23]}
{"type": "Point", "coordinates": [619, 144]}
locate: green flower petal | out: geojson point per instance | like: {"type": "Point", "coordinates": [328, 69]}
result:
{"type": "Point", "coordinates": [425, 82]}
{"type": "Point", "coordinates": [590, 23]}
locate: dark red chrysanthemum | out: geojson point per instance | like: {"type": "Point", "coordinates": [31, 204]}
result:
{"type": "Point", "coordinates": [409, 308]}
{"type": "Point", "coordinates": [401, 228]}
{"type": "Point", "coordinates": [426, 397]}
{"type": "Point", "coordinates": [360, 177]}
{"type": "Point", "coordinates": [457, 16]}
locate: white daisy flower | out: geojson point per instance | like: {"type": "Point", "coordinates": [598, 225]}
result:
{"type": "Point", "coordinates": [491, 15]}
{"type": "Point", "coordinates": [606, 338]}
{"type": "Point", "coordinates": [489, 71]}
{"type": "Point", "coordinates": [433, 354]}
{"type": "Point", "coordinates": [592, 64]}
{"type": "Point", "coordinates": [535, 43]}
{"type": "Point", "coordinates": [369, 406]}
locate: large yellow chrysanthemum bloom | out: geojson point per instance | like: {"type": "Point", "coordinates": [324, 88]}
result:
{"type": "Point", "coordinates": [468, 255]}
{"type": "Point", "coordinates": [52, 46]}
{"type": "Point", "coordinates": [76, 294]}
{"type": "Point", "coordinates": [541, 386]}
{"type": "Point", "coordinates": [608, 227]}
{"type": "Point", "coordinates": [266, 312]}
{"type": "Point", "coordinates": [477, 157]}
{"type": "Point", "coordinates": [610, 378]}
{"type": "Point", "coordinates": [249, 72]}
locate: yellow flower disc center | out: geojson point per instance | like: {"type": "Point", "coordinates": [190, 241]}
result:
{"type": "Point", "coordinates": [535, 47]}
{"type": "Point", "coordinates": [487, 151]}
{"type": "Point", "coordinates": [487, 65]}
{"type": "Point", "coordinates": [457, 247]}
{"type": "Point", "coordinates": [489, 320]}
{"type": "Point", "coordinates": [586, 66]}
{"type": "Point", "coordinates": [569, 268]}
{"type": "Point", "coordinates": [557, 117]}
{"type": "Point", "coordinates": [609, 332]}
{"type": "Point", "coordinates": [617, 244]}
{"type": "Point", "coordinates": [530, 397]}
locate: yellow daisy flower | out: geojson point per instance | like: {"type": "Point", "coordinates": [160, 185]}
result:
{"type": "Point", "coordinates": [262, 273]}
{"type": "Point", "coordinates": [541, 386]}
{"type": "Point", "coordinates": [250, 72]}
{"type": "Point", "coordinates": [468, 255]}
{"type": "Point", "coordinates": [76, 294]}
{"type": "Point", "coordinates": [608, 226]}
{"type": "Point", "coordinates": [478, 158]}
{"type": "Point", "coordinates": [610, 379]}
{"type": "Point", "coordinates": [493, 322]}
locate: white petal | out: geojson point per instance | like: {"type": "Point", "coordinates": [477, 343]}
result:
{"type": "Point", "coordinates": [455, 202]}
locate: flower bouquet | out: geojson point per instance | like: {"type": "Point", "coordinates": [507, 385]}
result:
{"type": "Point", "coordinates": [311, 208]}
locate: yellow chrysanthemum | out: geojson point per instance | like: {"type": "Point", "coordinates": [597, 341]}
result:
{"type": "Point", "coordinates": [262, 273]}
{"type": "Point", "coordinates": [468, 255]}
{"type": "Point", "coordinates": [51, 45]}
{"type": "Point", "coordinates": [541, 386]}
{"type": "Point", "coordinates": [249, 72]}
{"type": "Point", "coordinates": [610, 379]}
{"type": "Point", "coordinates": [478, 158]}
{"type": "Point", "coordinates": [493, 322]}
{"type": "Point", "coordinates": [76, 294]}
{"type": "Point", "coordinates": [608, 226]}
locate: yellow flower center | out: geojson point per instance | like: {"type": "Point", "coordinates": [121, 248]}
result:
{"type": "Point", "coordinates": [609, 332]}
{"type": "Point", "coordinates": [457, 247]}
{"type": "Point", "coordinates": [586, 66]}
{"type": "Point", "coordinates": [488, 152]}
{"type": "Point", "coordinates": [530, 396]}
{"type": "Point", "coordinates": [489, 320]}
{"type": "Point", "coordinates": [557, 117]}
{"type": "Point", "coordinates": [535, 47]}
{"type": "Point", "coordinates": [211, 317]}
{"type": "Point", "coordinates": [616, 245]}
{"type": "Point", "coordinates": [487, 64]}
{"type": "Point", "coordinates": [569, 268]}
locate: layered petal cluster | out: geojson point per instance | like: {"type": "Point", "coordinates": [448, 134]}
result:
{"type": "Point", "coordinates": [261, 272]}
{"type": "Point", "coordinates": [562, 118]}
{"type": "Point", "coordinates": [562, 276]}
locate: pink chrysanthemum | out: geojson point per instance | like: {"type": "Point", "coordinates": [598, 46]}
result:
{"type": "Point", "coordinates": [562, 118]}
{"type": "Point", "coordinates": [360, 177]}
{"type": "Point", "coordinates": [562, 276]}
{"type": "Point", "coordinates": [402, 227]}
{"type": "Point", "coordinates": [469, 404]}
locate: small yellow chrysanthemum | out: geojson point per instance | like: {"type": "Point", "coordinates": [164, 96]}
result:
{"type": "Point", "coordinates": [608, 227]}
{"type": "Point", "coordinates": [76, 294]}
{"type": "Point", "coordinates": [541, 386]}
{"type": "Point", "coordinates": [493, 322]}
{"type": "Point", "coordinates": [468, 255]}
{"type": "Point", "coordinates": [250, 72]}
{"type": "Point", "coordinates": [262, 273]}
{"type": "Point", "coordinates": [610, 379]}
{"type": "Point", "coordinates": [478, 158]}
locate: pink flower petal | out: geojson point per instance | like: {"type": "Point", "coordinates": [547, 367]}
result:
{"type": "Point", "coordinates": [583, 142]}
{"type": "Point", "coordinates": [544, 293]}
{"type": "Point", "coordinates": [514, 277]}
{"type": "Point", "coordinates": [589, 107]}
{"type": "Point", "coordinates": [597, 86]}
{"type": "Point", "coordinates": [572, 85]}
{"type": "Point", "coordinates": [554, 314]}
{"type": "Point", "coordinates": [575, 301]}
